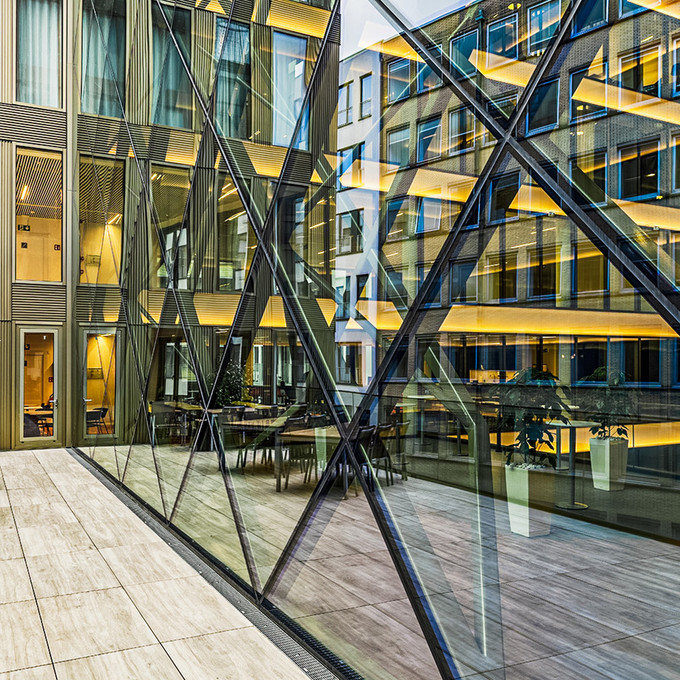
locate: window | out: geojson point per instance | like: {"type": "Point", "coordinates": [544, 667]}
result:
{"type": "Point", "coordinates": [350, 236]}
{"type": "Point", "coordinates": [433, 298]}
{"type": "Point", "coordinates": [235, 238]}
{"type": "Point", "coordinates": [462, 49]}
{"type": "Point", "coordinates": [350, 166]}
{"type": "Point", "coordinates": [461, 130]}
{"type": "Point", "coordinates": [39, 52]}
{"type": "Point", "coordinates": [589, 175]}
{"type": "Point", "coordinates": [38, 215]}
{"type": "Point", "coordinates": [503, 192]}
{"type": "Point", "coordinates": [397, 223]}
{"type": "Point", "coordinates": [349, 360]}
{"type": "Point", "coordinates": [641, 360]}
{"type": "Point", "coordinates": [501, 277]}
{"type": "Point", "coordinates": [463, 281]}
{"type": "Point", "coordinates": [676, 163]}
{"type": "Point", "coordinates": [394, 288]}
{"type": "Point", "coordinates": [429, 140]}
{"type": "Point", "coordinates": [363, 292]}
{"type": "Point", "coordinates": [232, 84]}
{"type": "Point", "coordinates": [100, 383]}
{"type": "Point", "coordinates": [590, 357]}
{"type": "Point", "coordinates": [103, 58]}
{"type": "Point", "coordinates": [544, 19]}
{"type": "Point", "coordinates": [581, 83]}
{"type": "Point", "coordinates": [675, 67]}
{"type": "Point", "coordinates": [591, 13]}
{"type": "Point", "coordinates": [591, 272]}
{"type": "Point", "coordinates": [290, 87]}
{"type": "Point", "coordinates": [640, 72]}
{"type": "Point", "coordinates": [429, 215]}
{"type": "Point", "coordinates": [639, 170]}
{"type": "Point", "coordinates": [398, 79]}
{"type": "Point", "coordinates": [427, 79]}
{"type": "Point", "coordinates": [345, 104]}
{"type": "Point", "coordinates": [366, 93]}
{"type": "Point", "coordinates": [544, 271]}
{"type": "Point", "coordinates": [171, 85]}
{"type": "Point", "coordinates": [543, 107]}
{"type": "Point", "coordinates": [398, 147]}
{"type": "Point", "coordinates": [501, 107]}
{"type": "Point", "coordinates": [427, 361]}
{"type": "Point", "coordinates": [502, 37]}
{"type": "Point", "coordinates": [101, 219]}
{"type": "Point", "coordinates": [627, 7]}
{"type": "Point", "coordinates": [342, 297]}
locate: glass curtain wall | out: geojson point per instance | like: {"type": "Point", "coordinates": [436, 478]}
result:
{"type": "Point", "coordinates": [406, 317]}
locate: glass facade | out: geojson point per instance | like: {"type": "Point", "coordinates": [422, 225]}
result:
{"type": "Point", "coordinates": [375, 303]}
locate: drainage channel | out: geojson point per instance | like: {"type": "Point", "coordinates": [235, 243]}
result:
{"type": "Point", "coordinates": [264, 623]}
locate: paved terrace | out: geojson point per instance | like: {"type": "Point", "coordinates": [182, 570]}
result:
{"type": "Point", "coordinates": [88, 591]}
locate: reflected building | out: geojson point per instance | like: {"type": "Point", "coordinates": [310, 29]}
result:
{"type": "Point", "coordinates": [375, 305]}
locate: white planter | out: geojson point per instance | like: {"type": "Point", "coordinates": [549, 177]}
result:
{"type": "Point", "coordinates": [608, 463]}
{"type": "Point", "coordinates": [523, 485]}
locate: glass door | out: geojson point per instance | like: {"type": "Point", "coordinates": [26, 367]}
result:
{"type": "Point", "coordinates": [39, 385]}
{"type": "Point", "coordinates": [100, 383]}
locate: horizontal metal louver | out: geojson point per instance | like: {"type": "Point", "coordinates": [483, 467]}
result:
{"type": "Point", "coordinates": [38, 302]}
{"type": "Point", "coordinates": [97, 305]}
{"type": "Point", "coordinates": [32, 125]}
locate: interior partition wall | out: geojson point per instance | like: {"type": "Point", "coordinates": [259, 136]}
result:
{"type": "Point", "coordinates": [376, 305]}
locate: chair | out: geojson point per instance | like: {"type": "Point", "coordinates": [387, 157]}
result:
{"type": "Point", "coordinates": [95, 418]}
{"type": "Point", "coordinates": [382, 454]}
{"type": "Point", "coordinates": [163, 419]}
{"type": "Point", "coordinates": [303, 453]}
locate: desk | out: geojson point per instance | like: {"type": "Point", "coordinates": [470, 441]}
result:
{"type": "Point", "coordinates": [44, 418]}
{"type": "Point", "coordinates": [572, 426]}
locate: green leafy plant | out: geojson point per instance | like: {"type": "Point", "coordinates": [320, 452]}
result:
{"type": "Point", "coordinates": [232, 387]}
{"type": "Point", "coordinates": [529, 402]}
{"type": "Point", "coordinates": [607, 403]}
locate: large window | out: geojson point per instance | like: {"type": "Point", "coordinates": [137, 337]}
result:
{"type": "Point", "coordinates": [461, 130]}
{"type": "Point", "coordinates": [640, 72]}
{"type": "Point", "coordinates": [398, 79]}
{"type": "Point", "coordinates": [350, 166]}
{"type": "Point", "coordinates": [462, 50]}
{"type": "Point", "coordinates": [398, 147]}
{"type": "Point", "coordinates": [543, 107]}
{"type": "Point", "coordinates": [366, 94]}
{"type": "Point", "coordinates": [501, 277]}
{"type": "Point", "coordinates": [591, 13]}
{"type": "Point", "coordinates": [350, 237]}
{"type": "Point", "coordinates": [589, 174]}
{"type": "Point", "coordinates": [543, 273]}
{"type": "Point", "coordinates": [397, 218]}
{"type": "Point", "coordinates": [502, 37]}
{"type": "Point", "coordinates": [463, 281]}
{"type": "Point", "coordinates": [100, 194]}
{"type": "Point", "coordinates": [427, 79]}
{"type": "Point", "coordinates": [580, 82]}
{"type": "Point", "coordinates": [39, 52]}
{"type": "Point", "coordinates": [103, 58]}
{"type": "Point", "coordinates": [100, 383]}
{"type": "Point", "coordinates": [173, 101]}
{"type": "Point", "coordinates": [39, 199]}
{"type": "Point", "coordinates": [232, 84]}
{"type": "Point", "coordinates": [641, 360]}
{"type": "Point", "coordinates": [590, 270]}
{"type": "Point", "coordinates": [544, 19]}
{"type": "Point", "coordinates": [639, 170]}
{"type": "Point", "coordinates": [349, 360]}
{"type": "Point", "coordinates": [429, 214]}
{"type": "Point", "coordinates": [235, 238]}
{"type": "Point", "coordinates": [345, 104]}
{"type": "Point", "coordinates": [504, 190]}
{"type": "Point", "coordinates": [289, 90]}
{"type": "Point", "coordinates": [429, 140]}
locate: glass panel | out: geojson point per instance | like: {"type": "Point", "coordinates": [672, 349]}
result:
{"type": "Point", "coordinates": [39, 52]}
{"type": "Point", "coordinates": [101, 188]}
{"type": "Point", "coordinates": [39, 199]}
{"type": "Point", "coordinates": [173, 100]}
{"type": "Point", "coordinates": [100, 383]}
{"type": "Point", "coordinates": [103, 58]}
{"type": "Point", "coordinates": [38, 380]}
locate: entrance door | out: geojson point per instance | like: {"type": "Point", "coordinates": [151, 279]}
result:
{"type": "Point", "coordinates": [100, 383]}
{"type": "Point", "coordinates": [39, 385]}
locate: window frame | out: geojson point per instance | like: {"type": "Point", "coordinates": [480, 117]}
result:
{"type": "Point", "coordinates": [390, 166]}
{"type": "Point", "coordinates": [436, 52]}
{"type": "Point", "coordinates": [638, 54]}
{"type": "Point", "coordinates": [551, 126]}
{"type": "Point", "coordinates": [348, 101]}
{"type": "Point", "coordinates": [573, 161]}
{"type": "Point", "coordinates": [591, 27]}
{"type": "Point", "coordinates": [512, 19]}
{"type": "Point", "coordinates": [532, 49]}
{"type": "Point", "coordinates": [362, 101]}
{"type": "Point", "coordinates": [588, 116]}
{"type": "Point", "coordinates": [468, 115]}
{"type": "Point", "coordinates": [419, 124]}
{"type": "Point", "coordinates": [492, 186]}
{"type": "Point", "coordinates": [356, 218]}
{"type": "Point", "coordinates": [457, 73]}
{"type": "Point", "coordinates": [407, 90]}
{"type": "Point", "coordinates": [639, 197]}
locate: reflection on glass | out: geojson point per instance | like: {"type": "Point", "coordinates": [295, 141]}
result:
{"type": "Point", "coordinates": [289, 87]}
{"type": "Point", "coordinates": [38, 215]}
{"type": "Point", "coordinates": [100, 383]}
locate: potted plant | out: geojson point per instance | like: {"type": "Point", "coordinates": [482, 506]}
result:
{"type": "Point", "coordinates": [529, 403]}
{"type": "Point", "coordinates": [607, 404]}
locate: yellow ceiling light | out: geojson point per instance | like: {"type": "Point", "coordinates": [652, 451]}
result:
{"type": "Point", "coordinates": [502, 69]}
{"type": "Point", "coordinates": [540, 321]}
{"type": "Point", "coordinates": [274, 315]}
{"type": "Point", "coordinates": [328, 308]}
{"type": "Point", "coordinates": [266, 160]}
{"type": "Point", "coordinates": [531, 198]}
{"type": "Point", "coordinates": [382, 314]}
{"type": "Point", "coordinates": [651, 215]}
